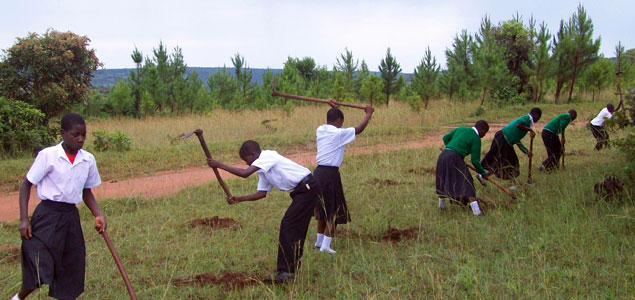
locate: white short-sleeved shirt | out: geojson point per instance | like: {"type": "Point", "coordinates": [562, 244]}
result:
{"type": "Point", "coordinates": [601, 117]}
{"type": "Point", "coordinates": [279, 171]}
{"type": "Point", "coordinates": [59, 180]}
{"type": "Point", "coordinates": [331, 142]}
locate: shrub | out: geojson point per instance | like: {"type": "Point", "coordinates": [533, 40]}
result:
{"type": "Point", "coordinates": [503, 93]}
{"type": "Point", "coordinates": [23, 128]}
{"type": "Point", "coordinates": [116, 141]}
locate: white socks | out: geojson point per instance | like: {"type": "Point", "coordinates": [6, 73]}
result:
{"type": "Point", "coordinates": [326, 245]}
{"type": "Point", "coordinates": [441, 203]}
{"type": "Point", "coordinates": [16, 297]}
{"type": "Point", "coordinates": [475, 209]}
{"type": "Point", "coordinates": [318, 241]}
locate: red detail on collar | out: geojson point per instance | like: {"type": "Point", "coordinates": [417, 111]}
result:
{"type": "Point", "coordinates": [71, 157]}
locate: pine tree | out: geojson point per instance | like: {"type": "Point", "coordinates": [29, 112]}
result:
{"type": "Point", "coordinates": [390, 69]}
{"type": "Point", "coordinates": [458, 79]}
{"type": "Point", "coordinates": [425, 80]}
{"type": "Point", "coordinates": [585, 48]}
{"type": "Point", "coordinates": [540, 65]}
{"type": "Point", "coordinates": [489, 60]}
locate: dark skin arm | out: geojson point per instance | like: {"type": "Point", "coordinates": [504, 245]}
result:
{"type": "Point", "coordinates": [91, 203]}
{"type": "Point", "coordinates": [532, 134]}
{"type": "Point", "coordinates": [251, 197]}
{"type": "Point", "coordinates": [369, 113]}
{"type": "Point", "coordinates": [244, 173]}
{"type": "Point", "coordinates": [25, 224]}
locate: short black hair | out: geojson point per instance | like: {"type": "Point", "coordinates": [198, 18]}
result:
{"type": "Point", "coordinates": [536, 113]}
{"type": "Point", "coordinates": [248, 147]}
{"type": "Point", "coordinates": [482, 125]}
{"type": "Point", "coordinates": [573, 114]}
{"type": "Point", "coordinates": [610, 107]}
{"type": "Point", "coordinates": [334, 114]}
{"type": "Point", "coordinates": [70, 120]}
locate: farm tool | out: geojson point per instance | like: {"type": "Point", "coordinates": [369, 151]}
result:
{"type": "Point", "coordinates": [124, 275]}
{"type": "Point", "coordinates": [199, 134]}
{"type": "Point", "coordinates": [297, 97]}
{"type": "Point", "coordinates": [531, 150]}
{"type": "Point", "coordinates": [504, 189]}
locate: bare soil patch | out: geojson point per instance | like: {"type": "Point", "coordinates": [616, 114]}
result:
{"type": "Point", "coordinates": [9, 253]}
{"type": "Point", "coordinates": [423, 171]}
{"type": "Point", "coordinates": [385, 182]}
{"type": "Point", "coordinates": [394, 234]}
{"type": "Point", "coordinates": [214, 223]}
{"type": "Point", "coordinates": [229, 280]}
{"type": "Point", "coordinates": [609, 188]}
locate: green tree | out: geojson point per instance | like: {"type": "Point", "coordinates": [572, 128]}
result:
{"type": "Point", "coordinates": [222, 86]}
{"type": "Point", "coordinates": [52, 71]}
{"type": "Point", "coordinates": [22, 128]}
{"type": "Point", "coordinates": [489, 60]}
{"type": "Point", "coordinates": [584, 48]}
{"type": "Point", "coordinates": [598, 75]}
{"type": "Point", "coordinates": [135, 79]}
{"type": "Point", "coordinates": [425, 79]}
{"type": "Point", "coordinates": [372, 87]}
{"type": "Point", "coordinates": [517, 45]}
{"type": "Point", "coordinates": [120, 99]}
{"type": "Point", "coordinates": [362, 74]}
{"type": "Point", "coordinates": [540, 66]}
{"type": "Point", "coordinates": [348, 66]}
{"type": "Point", "coordinates": [390, 69]}
{"type": "Point", "coordinates": [459, 77]}
{"type": "Point", "coordinates": [562, 45]}
{"type": "Point", "coordinates": [244, 76]}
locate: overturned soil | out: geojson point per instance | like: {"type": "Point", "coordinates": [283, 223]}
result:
{"type": "Point", "coordinates": [214, 223]}
{"type": "Point", "coordinates": [609, 188]}
{"type": "Point", "coordinates": [9, 253]}
{"type": "Point", "coordinates": [384, 182]}
{"type": "Point", "coordinates": [395, 234]}
{"type": "Point", "coordinates": [423, 171]}
{"type": "Point", "coordinates": [229, 280]}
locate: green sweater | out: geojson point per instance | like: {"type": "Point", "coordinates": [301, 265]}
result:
{"type": "Point", "coordinates": [465, 141]}
{"type": "Point", "coordinates": [513, 134]}
{"type": "Point", "coordinates": [558, 124]}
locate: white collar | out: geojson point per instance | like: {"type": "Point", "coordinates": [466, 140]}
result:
{"type": "Point", "coordinates": [62, 154]}
{"type": "Point", "coordinates": [531, 119]}
{"type": "Point", "coordinates": [476, 131]}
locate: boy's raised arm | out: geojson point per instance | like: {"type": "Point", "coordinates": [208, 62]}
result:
{"type": "Point", "coordinates": [362, 125]}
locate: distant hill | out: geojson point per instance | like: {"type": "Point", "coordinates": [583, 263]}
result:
{"type": "Point", "coordinates": [106, 78]}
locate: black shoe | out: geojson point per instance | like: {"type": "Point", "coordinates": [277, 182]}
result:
{"type": "Point", "coordinates": [280, 277]}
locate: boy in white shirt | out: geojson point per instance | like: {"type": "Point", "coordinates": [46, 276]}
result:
{"type": "Point", "coordinates": [276, 170]}
{"type": "Point", "coordinates": [597, 126]}
{"type": "Point", "coordinates": [331, 139]}
{"type": "Point", "coordinates": [53, 250]}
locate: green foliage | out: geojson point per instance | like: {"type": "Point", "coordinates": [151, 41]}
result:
{"type": "Point", "coordinates": [116, 141]}
{"type": "Point", "coordinates": [540, 66]}
{"type": "Point", "coordinates": [371, 88]}
{"type": "Point", "coordinates": [515, 40]}
{"type": "Point", "coordinates": [52, 71]}
{"type": "Point", "coordinates": [480, 110]}
{"type": "Point", "coordinates": [459, 77]}
{"type": "Point", "coordinates": [348, 67]}
{"type": "Point", "coordinates": [23, 128]}
{"type": "Point", "coordinates": [489, 59]}
{"type": "Point", "coordinates": [425, 80]}
{"type": "Point", "coordinates": [415, 102]}
{"type": "Point", "coordinates": [598, 76]}
{"type": "Point", "coordinates": [503, 93]}
{"type": "Point", "coordinates": [390, 69]}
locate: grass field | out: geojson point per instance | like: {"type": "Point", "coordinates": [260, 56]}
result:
{"type": "Point", "coordinates": [555, 241]}
{"type": "Point", "coordinates": [156, 146]}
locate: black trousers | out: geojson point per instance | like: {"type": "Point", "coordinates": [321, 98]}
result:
{"type": "Point", "coordinates": [601, 136]}
{"type": "Point", "coordinates": [55, 254]}
{"type": "Point", "coordinates": [295, 224]}
{"type": "Point", "coordinates": [554, 149]}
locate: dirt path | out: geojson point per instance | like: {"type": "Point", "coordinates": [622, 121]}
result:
{"type": "Point", "coordinates": [170, 182]}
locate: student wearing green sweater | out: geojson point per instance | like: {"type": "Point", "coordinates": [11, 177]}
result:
{"type": "Point", "coordinates": [550, 137]}
{"type": "Point", "coordinates": [501, 158]}
{"type": "Point", "coordinates": [453, 179]}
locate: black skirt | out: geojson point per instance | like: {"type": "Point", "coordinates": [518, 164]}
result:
{"type": "Point", "coordinates": [55, 252]}
{"type": "Point", "coordinates": [453, 178]}
{"type": "Point", "coordinates": [501, 158]}
{"type": "Point", "coordinates": [601, 136]}
{"type": "Point", "coordinates": [331, 203]}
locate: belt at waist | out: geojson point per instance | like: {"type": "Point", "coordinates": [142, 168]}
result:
{"type": "Point", "coordinates": [328, 167]}
{"type": "Point", "coordinates": [59, 206]}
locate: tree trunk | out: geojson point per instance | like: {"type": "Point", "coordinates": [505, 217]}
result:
{"type": "Point", "coordinates": [426, 105]}
{"type": "Point", "coordinates": [558, 89]}
{"type": "Point", "coordinates": [387, 98]}
{"type": "Point", "coordinates": [575, 70]}
{"type": "Point", "coordinates": [592, 95]}
{"type": "Point", "coordinates": [483, 98]}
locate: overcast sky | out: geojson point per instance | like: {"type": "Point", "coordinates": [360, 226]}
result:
{"type": "Point", "coordinates": [267, 32]}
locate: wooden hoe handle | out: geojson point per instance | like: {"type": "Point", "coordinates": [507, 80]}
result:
{"type": "Point", "coordinates": [124, 275]}
{"type": "Point", "coordinates": [199, 134]}
{"type": "Point", "coordinates": [504, 189]}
